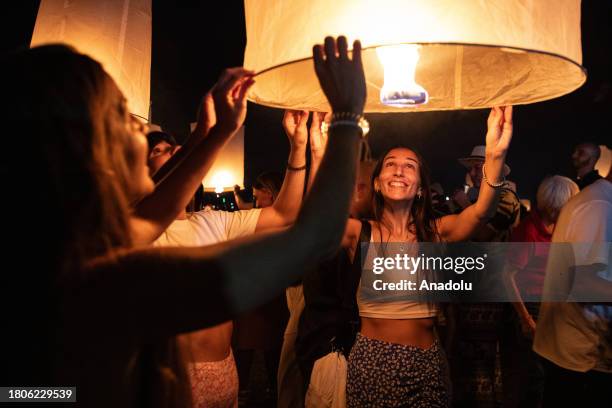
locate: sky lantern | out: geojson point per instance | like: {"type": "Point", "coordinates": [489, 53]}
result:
{"type": "Point", "coordinates": [117, 33]}
{"type": "Point", "coordinates": [419, 55]}
{"type": "Point", "coordinates": [228, 168]}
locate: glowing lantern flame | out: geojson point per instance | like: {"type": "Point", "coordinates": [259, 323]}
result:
{"type": "Point", "coordinates": [400, 88]}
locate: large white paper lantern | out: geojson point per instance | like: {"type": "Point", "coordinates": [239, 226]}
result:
{"type": "Point", "coordinates": [117, 33]}
{"type": "Point", "coordinates": [465, 54]}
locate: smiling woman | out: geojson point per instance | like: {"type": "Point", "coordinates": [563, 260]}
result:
{"type": "Point", "coordinates": [403, 176]}
{"type": "Point", "coordinates": [403, 329]}
{"type": "Point", "coordinates": [394, 180]}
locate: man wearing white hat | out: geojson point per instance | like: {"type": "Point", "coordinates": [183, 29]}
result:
{"type": "Point", "coordinates": [507, 215]}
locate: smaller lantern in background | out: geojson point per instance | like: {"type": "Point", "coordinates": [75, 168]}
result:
{"type": "Point", "coordinates": [117, 33]}
{"type": "Point", "coordinates": [605, 160]}
{"type": "Point", "coordinates": [228, 169]}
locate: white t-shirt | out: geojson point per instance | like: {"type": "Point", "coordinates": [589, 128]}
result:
{"type": "Point", "coordinates": [208, 227]}
{"type": "Point", "coordinates": [577, 336]}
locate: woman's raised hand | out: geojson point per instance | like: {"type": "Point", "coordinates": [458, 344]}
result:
{"type": "Point", "coordinates": [295, 125]}
{"type": "Point", "coordinates": [341, 78]}
{"type": "Point", "coordinates": [499, 131]}
{"type": "Point", "coordinates": [229, 95]}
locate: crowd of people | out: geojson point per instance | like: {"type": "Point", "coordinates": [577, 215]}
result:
{"type": "Point", "coordinates": [127, 289]}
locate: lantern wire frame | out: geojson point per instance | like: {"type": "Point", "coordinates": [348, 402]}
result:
{"type": "Point", "coordinates": [578, 78]}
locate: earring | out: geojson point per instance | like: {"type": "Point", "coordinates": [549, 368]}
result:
{"type": "Point", "coordinates": [419, 196]}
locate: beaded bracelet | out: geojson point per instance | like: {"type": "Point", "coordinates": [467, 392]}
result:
{"type": "Point", "coordinates": [496, 185]}
{"type": "Point", "coordinates": [347, 119]}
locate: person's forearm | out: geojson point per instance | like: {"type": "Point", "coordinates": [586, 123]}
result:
{"type": "Point", "coordinates": [315, 163]}
{"type": "Point", "coordinates": [173, 193]}
{"type": "Point", "coordinates": [195, 138]}
{"type": "Point", "coordinates": [521, 310]}
{"type": "Point", "coordinates": [152, 292]}
{"type": "Point", "coordinates": [513, 292]}
{"type": "Point", "coordinates": [289, 199]}
{"type": "Point", "coordinates": [333, 186]}
{"type": "Point", "coordinates": [488, 196]}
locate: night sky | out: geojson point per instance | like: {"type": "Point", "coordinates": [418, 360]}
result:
{"type": "Point", "coordinates": [192, 43]}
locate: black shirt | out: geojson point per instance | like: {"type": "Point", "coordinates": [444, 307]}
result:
{"type": "Point", "coordinates": [587, 179]}
{"type": "Point", "coordinates": [330, 319]}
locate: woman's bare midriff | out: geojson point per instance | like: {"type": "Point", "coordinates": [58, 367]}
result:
{"type": "Point", "coordinates": [408, 332]}
{"type": "Point", "coordinates": [212, 344]}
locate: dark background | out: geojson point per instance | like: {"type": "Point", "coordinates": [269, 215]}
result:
{"type": "Point", "coordinates": [194, 41]}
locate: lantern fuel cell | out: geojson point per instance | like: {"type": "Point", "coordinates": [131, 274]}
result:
{"type": "Point", "coordinates": [399, 87]}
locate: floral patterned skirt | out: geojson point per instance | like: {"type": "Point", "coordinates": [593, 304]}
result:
{"type": "Point", "coordinates": [382, 374]}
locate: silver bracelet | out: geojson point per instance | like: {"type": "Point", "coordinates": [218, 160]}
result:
{"type": "Point", "coordinates": [496, 185]}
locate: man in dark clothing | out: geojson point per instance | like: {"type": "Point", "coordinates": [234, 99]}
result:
{"type": "Point", "coordinates": [584, 158]}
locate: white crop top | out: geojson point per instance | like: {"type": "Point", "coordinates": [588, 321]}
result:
{"type": "Point", "coordinates": [377, 307]}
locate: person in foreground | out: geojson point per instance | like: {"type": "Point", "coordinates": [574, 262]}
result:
{"type": "Point", "coordinates": [95, 312]}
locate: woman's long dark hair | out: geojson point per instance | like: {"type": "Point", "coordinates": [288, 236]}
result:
{"type": "Point", "coordinates": [422, 221]}
{"type": "Point", "coordinates": [69, 129]}
{"type": "Point", "coordinates": [66, 179]}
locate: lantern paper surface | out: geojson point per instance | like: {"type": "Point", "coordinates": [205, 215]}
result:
{"type": "Point", "coordinates": [473, 53]}
{"type": "Point", "coordinates": [605, 161]}
{"type": "Point", "coordinates": [117, 33]}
